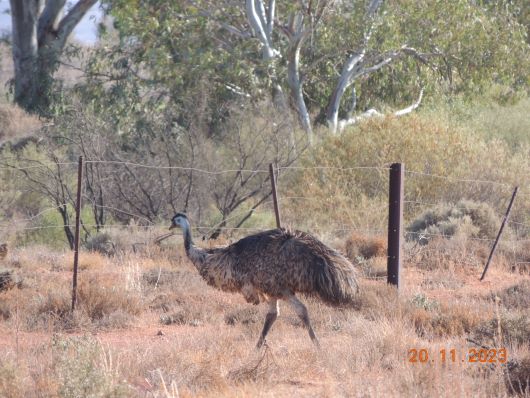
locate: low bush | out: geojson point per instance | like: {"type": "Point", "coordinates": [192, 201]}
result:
{"type": "Point", "coordinates": [515, 297]}
{"type": "Point", "coordinates": [465, 219]}
{"type": "Point", "coordinates": [100, 299]}
{"type": "Point", "coordinates": [84, 369]}
{"type": "Point", "coordinates": [101, 243]}
{"type": "Point", "coordinates": [513, 328]}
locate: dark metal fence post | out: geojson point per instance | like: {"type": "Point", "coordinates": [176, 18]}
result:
{"type": "Point", "coordinates": [395, 222]}
{"type": "Point", "coordinates": [77, 222]}
{"type": "Point", "coordinates": [500, 232]}
{"type": "Point", "coordinates": [275, 196]}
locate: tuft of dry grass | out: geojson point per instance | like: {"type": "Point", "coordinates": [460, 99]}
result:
{"type": "Point", "coordinates": [11, 380]}
{"type": "Point", "coordinates": [517, 377]}
{"type": "Point", "coordinates": [244, 316]}
{"type": "Point", "coordinates": [515, 297]}
{"type": "Point", "coordinates": [366, 247]}
{"type": "Point", "coordinates": [101, 299]}
{"type": "Point", "coordinates": [450, 254]}
{"type": "Point", "coordinates": [512, 328]}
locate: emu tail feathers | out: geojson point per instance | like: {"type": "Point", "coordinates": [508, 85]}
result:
{"type": "Point", "coordinates": [335, 280]}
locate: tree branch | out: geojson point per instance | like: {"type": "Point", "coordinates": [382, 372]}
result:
{"type": "Point", "coordinates": [255, 16]}
{"type": "Point", "coordinates": [70, 21]}
{"type": "Point", "coordinates": [49, 18]}
{"type": "Point", "coordinates": [374, 113]}
{"type": "Point", "coordinates": [412, 107]}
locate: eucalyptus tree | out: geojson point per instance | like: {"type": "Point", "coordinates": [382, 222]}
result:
{"type": "Point", "coordinates": [40, 31]}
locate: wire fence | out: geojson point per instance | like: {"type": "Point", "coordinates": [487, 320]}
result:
{"type": "Point", "coordinates": [332, 207]}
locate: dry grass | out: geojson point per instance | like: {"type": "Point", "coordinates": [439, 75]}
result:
{"type": "Point", "coordinates": [358, 245]}
{"type": "Point", "coordinates": [16, 124]}
{"type": "Point", "coordinates": [148, 326]}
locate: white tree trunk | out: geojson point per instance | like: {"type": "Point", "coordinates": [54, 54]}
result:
{"type": "Point", "coordinates": [295, 85]}
{"type": "Point", "coordinates": [352, 68]}
{"type": "Point", "coordinates": [349, 69]}
{"type": "Point", "coordinates": [262, 24]}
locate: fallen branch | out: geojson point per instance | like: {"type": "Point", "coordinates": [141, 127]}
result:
{"type": "Point", "coordinates": [373, 113]}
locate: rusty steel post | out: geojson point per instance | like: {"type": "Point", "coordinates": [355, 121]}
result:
{"type": "Point", "coordinates": [500, 232]}
{"type": "Point", "coordinates": [395, 223]}
{"type": "Point", "coordinates": [77, 223]}
{"type": "Point", "coordinates": [275, 196]}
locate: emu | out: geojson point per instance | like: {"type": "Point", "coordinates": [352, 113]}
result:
{"type": "Point", "coordinates": [275, 265]}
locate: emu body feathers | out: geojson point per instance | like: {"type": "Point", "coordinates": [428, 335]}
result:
{"type": "Point", "coordinates": [277, 261]}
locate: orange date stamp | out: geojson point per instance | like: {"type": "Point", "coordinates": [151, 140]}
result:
{"type": "Point", "coordinates": [447, 356]}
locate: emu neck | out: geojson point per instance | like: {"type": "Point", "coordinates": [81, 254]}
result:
{"type": "Point", "coordinates": [195, 254]}
{"type": "Point", "coordinates": [188, 241]}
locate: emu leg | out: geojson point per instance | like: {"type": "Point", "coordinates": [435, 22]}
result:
{"type": "Point", "coordinates": [302, 313]}
{"type": "Point", "coordinates": [274, 310]}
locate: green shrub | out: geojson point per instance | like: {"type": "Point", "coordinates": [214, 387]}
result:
{"type": "Point", "coordinates": [84, 369]}
{"type": "Point", "coordinates": [101, 243]}
{"type": "Point", "coordinates": [465, 218]}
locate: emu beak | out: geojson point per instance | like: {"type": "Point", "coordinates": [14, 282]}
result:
{"type": "Point", "coordinates": [172, 226]}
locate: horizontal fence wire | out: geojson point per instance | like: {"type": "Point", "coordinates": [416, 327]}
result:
{"type": "Point", "coordinates": [432, 204]}
{"type": "Point", "coordinates": [203, 229]}
{"type": "Point", "coordinates": [426, 234]}
{"type": "Point", "coordinates": [457, 179]}
{"type": "Point", "coordinates": [279, 168]}
{"type": "Point", "coordinates": [204, 171]}
{"type": "Point", "coordinates": [333, 168]}
{"type": "Point", "coordinates": [41, 166]}
{"type": "Point", "coordinates": [32, 218]}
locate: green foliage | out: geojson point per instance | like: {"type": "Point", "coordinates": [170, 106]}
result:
{"type": "Point", "coordinates": [181, 59]}
{"type": "Point", "coordinates": [46, 231]}
{"type": "Point", "coordinates": [170, 56]}
{"type": "Point", "coordinates": [467, 46]}
{"type": "Point", "coordinates": [465, 218]}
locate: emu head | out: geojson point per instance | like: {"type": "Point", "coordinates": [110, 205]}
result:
{"type": "Point", "coordinates": [179, 220]}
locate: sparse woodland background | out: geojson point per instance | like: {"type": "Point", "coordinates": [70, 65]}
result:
{"type": "Point", "coordinates": [206, 94]}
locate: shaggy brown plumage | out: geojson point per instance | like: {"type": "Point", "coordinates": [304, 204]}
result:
{"type": "Point", "coordinates": [273, 265]}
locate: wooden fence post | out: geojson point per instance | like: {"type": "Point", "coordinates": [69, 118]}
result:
{"type": "Point", "coordinates": [76, 236]}
{"type": "Point", "coordinates": [275, 196]}
{"type": "Point", "coordinates": [500, 232]}
{"type": "Point", "coordinates": [395, 223]}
